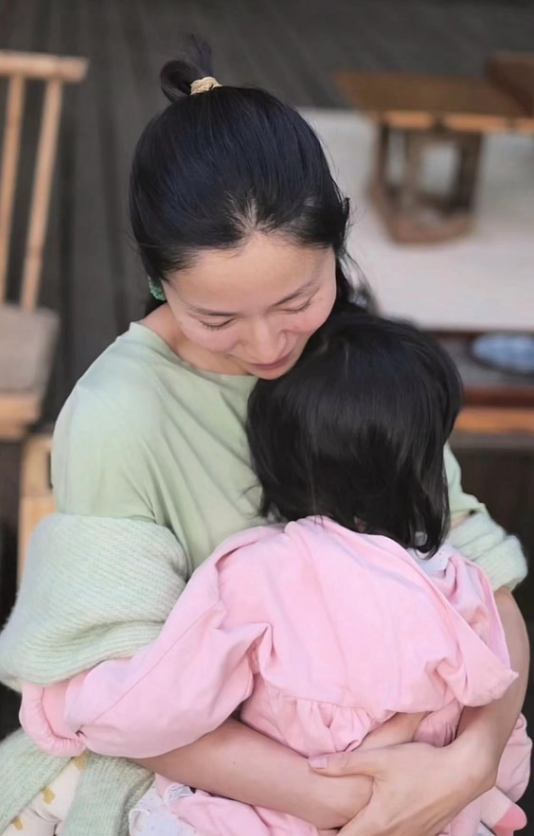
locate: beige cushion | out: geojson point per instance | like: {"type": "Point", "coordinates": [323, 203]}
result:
{"type": "Point", "coordinates": [27, 340]}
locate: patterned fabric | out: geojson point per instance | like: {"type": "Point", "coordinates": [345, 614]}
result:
{"type": "Point", "coordinates": [47, 813]}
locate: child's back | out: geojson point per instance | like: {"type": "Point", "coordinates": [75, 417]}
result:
{"type": "Point", "coordinates": [323, 628]}
{"type": "Point", "coordinates": [321, 634]}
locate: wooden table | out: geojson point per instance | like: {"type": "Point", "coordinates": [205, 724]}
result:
{"type": "Point", "coordinates": [496, 403]}
{"type": "Point", "coordinates": [414, 112]}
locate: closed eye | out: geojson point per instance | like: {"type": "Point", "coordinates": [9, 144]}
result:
{"type": "Point", "coordinates": [220, 325]}
{"type": "Point", "coordinates": [303, 307]}
{"type": "Point", "coordinates": [217, 327]}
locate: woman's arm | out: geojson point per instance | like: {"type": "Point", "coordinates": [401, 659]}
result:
{"type": "Point", "coordinates": [419, 789]}
{"type": "Point", "coordinates": [237, 762]}
{"type": "Point", "coordinates": [484, 732]}
{"type": "Point", "coordinates": [479, 538]}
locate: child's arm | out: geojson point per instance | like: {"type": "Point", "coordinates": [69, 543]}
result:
{"type": "Point", "coordinates": [184, 685]}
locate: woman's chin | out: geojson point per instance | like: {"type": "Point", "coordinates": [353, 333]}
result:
{"type": "Point", "coordinates": [274, 370]}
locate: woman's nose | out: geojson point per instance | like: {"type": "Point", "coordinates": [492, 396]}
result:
{"type": "Point", "coordinates": [264, 343]}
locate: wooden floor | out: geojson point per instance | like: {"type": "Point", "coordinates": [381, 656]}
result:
{"type": "Point", "coordinates": [291, 47]}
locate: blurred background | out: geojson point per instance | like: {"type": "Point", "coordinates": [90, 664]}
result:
{"type": "Point", "coordinates": [461, 267]}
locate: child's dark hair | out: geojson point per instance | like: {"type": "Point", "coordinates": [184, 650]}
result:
{"type": "Point", "coordinates": [356, 430]}
{"type": "Point", "coordinates": [216, 166]}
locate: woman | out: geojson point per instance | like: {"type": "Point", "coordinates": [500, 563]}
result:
{"type": "Point", "coordinates": [241, 229]}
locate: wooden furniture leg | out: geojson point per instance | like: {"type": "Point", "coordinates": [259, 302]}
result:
{"type": "Point", "coordinates": [467, 172]}
{"type": "Point", "coordinates": [408, 197]}
{"type": "Point", "coordinates": [381, 156]}
{"type": "Point", "coordinates": [410, 215]}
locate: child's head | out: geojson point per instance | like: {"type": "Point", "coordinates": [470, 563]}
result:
{"type": "Point", "coordinates": [356, 430]}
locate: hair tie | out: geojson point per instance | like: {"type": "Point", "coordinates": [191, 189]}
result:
{"type": "Point", "coordinates": [204, 85]}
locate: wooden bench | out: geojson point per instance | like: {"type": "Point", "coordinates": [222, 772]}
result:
{"type": "Point", "coordinates": [27, 332]}
{"type": "Point", "coordinates": [413, 113]}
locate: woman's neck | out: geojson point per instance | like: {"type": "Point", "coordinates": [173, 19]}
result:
{"type": "Point", "coordinates": [162, 322]}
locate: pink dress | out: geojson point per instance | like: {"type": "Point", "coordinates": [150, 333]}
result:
{"type": "Point", "coordinates": [320, 635]}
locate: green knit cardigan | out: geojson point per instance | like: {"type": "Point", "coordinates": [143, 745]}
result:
{"type": "Point", "coordinates": [93, 589]}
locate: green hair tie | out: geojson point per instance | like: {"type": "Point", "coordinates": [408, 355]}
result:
{"type": "Point", "coordinates": [156, 290]}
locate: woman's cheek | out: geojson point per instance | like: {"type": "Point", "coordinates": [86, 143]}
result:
{"type": "Point", "coordinates": [311, 320]}
{"type": "Point", "coordinates": [219, 342]}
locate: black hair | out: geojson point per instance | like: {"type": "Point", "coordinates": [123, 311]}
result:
{"type": "Point", "coordinates": [356, 430]}
{"type": "Point", "coordinates": [214, 167]}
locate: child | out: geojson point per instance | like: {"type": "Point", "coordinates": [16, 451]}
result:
{"type": "Point", "coordinates": [323, 626]}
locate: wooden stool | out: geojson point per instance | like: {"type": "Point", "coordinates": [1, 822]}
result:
{"type": "Point", "coordinates": [419, 112]}
{"type": "Point", "coordinates": [410, 214]}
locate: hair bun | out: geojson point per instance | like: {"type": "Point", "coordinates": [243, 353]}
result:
{"type": "Point", "coordinates": [177, 76]}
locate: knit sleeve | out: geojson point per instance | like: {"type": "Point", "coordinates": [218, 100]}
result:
{"type": "Point", "coordinates": [478, 537]}
{"type": "Point", "coordinates": [461, 503]}
{"type": "Point", "coordinates": [99, 468]}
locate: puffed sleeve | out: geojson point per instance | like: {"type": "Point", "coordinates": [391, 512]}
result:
{"type": "Point", "coordinates": [184, 685]}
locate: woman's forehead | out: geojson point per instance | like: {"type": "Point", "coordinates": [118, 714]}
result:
{"type": "Point", "coordinates": [265, 272]}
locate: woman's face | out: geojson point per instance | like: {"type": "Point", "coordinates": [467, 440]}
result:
{"type": "Point", "coordinates": [252, 310]}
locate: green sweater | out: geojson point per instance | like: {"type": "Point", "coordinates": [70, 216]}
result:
{"type": "Point", "coordinates": [146, 437]}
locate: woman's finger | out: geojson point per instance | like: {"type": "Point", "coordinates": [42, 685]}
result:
{"type": "Point", "coordinates": [370, 762]}
{"type": "Point", "coordinates": [416, 790]}
{"type": "Point", "coordinates": [401, 728]}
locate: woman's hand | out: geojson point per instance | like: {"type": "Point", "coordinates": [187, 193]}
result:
{"type": "Point", "coordinates": [416, 787]}
{"type": "Point", "coordinates": [348, 793]}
